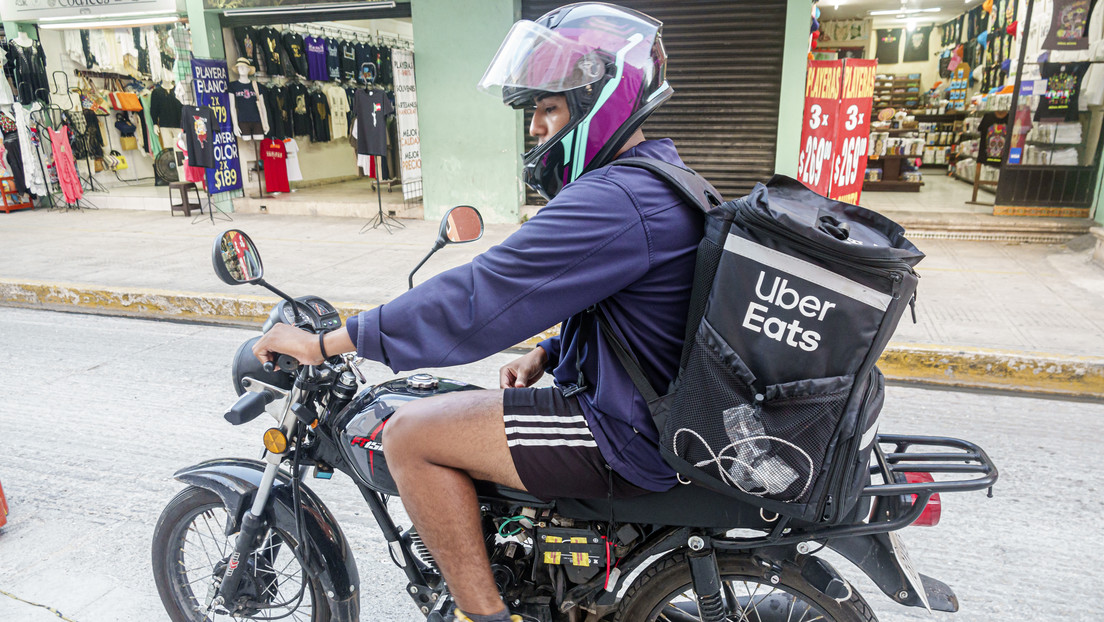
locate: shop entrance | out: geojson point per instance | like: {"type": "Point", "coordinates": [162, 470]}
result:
{"type": "Point", "coordinates": [336, 95]}
{"type": "Point", "coordinates": [968, 123]}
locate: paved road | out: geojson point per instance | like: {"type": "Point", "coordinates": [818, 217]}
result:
{"type": "Point", "coordinates": [98, 412]}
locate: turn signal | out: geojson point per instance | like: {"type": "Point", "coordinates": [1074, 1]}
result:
{"type": "Point", "coordinates": [275, 441]}
{"type": "Point", "coordinates": [930, 516]}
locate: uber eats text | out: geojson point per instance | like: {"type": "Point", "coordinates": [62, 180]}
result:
{"type": "Point", "coordinates": [779, 294]}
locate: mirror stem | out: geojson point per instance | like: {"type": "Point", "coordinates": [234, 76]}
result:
{"type": "Point", "coordinates": [436, 247]}
{"type": "Point", "coordinates": [294, 305]}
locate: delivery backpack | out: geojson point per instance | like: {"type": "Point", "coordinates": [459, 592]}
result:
{"type": "Point", "coordinates": [795, 296]}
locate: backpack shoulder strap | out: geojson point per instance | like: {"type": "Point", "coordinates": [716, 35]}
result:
{"type": "Point", "coordinates": [625, 356]}
{"type": "Point", "coordinates": [692, 187]}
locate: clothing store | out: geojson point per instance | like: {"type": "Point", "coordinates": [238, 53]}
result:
{"type": "Point", "coordinates": [321, 97]}
{"type": "Point", "coordinates": [96, 99]}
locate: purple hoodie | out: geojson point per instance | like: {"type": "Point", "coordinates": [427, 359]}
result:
{"type": "Point", "coordinates": [616, 234]}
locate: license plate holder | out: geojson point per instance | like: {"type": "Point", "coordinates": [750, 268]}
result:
{"type": "Point", "coordinates": [904, 561]}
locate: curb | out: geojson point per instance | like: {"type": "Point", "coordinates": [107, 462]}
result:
{"type": "Point", "coordinates": [976, 368]}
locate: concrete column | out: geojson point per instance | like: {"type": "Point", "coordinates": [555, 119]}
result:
{"type": "Point", "coordinates": [206, 31]}
{"type": "Point", "coordinates": [792, 103]}
{"type": "Point", "coordinates": [1098, 203]}
{"type": "Point", "coordinates": [470, 141]}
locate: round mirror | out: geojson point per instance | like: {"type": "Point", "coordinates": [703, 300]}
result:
{"type": "Point", "coordinates": [235, 258]}
{"type": "Point", "coordinates": [462, 224]}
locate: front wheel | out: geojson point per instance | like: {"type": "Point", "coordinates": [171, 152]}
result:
{"type": "Point", "coordinates": [664, 592]}
{"type": "Point", "coordinates": [190, 554]}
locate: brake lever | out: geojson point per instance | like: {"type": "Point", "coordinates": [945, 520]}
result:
{"type": "Point", "coordinates": [352, 361]}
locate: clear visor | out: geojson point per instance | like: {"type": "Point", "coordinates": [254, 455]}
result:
{"type": "Point", "coordinates": [534, 57]}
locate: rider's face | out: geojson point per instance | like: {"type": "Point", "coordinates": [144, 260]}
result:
{"type": "Point", "coordinates": [550, 116]}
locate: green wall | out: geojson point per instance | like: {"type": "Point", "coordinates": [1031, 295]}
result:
{"type": "Point", "coordinates": [792, 103]}
{"type": "Point", "coordinates": [470, 141]}
{"type": "Point", "coordinates": [206, 31]}
{"type": "Point", "coordinates": [1098, 204]}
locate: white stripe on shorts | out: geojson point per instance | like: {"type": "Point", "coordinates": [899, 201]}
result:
{"type": "Point", "coordinates": [552, 442]}
{"type": "Point", "coordinates": [562, 431]}
{"type": "Point", "coordinates": [546, 419]}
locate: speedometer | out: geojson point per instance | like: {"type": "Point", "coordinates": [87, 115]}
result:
{"type": "Point", "coordinates": [288, 312]}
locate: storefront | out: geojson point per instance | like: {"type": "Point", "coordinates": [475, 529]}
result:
{"type": "Point", "coordinates": [85, 80]}
{"type": "Point", "coordinates": [972, 119]}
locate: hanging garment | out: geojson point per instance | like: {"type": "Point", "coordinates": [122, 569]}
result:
{"type": "Point", "coordinates": [298, 107]}
{"type": "Point", "coordinates": [274, 158]}
{"type": "Point", "coordinates": [339, 111]}
{"type": "Point", "coordinates": [86, 47]}
{"type": "Point", "coordinates": [93, 135]}
{"type": "Point", "coordinates": [271, 47]}
{"type": "Point", "coordinates": [296, 51]}
{"type": "Point", "coordinates": [66, 165]}
{"type": "Point", "coordinates": [292, 149]}
{"type": "Point", "coordinates": [320, 116]}
{"type": "Point", "coordinates": [14, 154]}
{"type": "Point", "coordinates": [333, 60]}
{"type": "Point", "coordinates": [29, 73]}
{"type": "Point", "coordinates": [153, 141]}
{"type": "Point", "coordinates": [33, 166]}
{"type": "Point", "coordinates": [1063, 89]}
{"type": "Point", "coordinates": [6, 96]}
{"type": "Point", "coordinates": [372, 108]}
{"type": "Point", "coordinates": [347, 53]}
{"type": "Point", "coordinates": [200, 127]}
{"type": "Point", "coordinates": [164, 108]}
{"type": "Point", "coordinates": [249, 45]}
{"type": "Point", "coordinates": [994, 133]}
{"type": "Point", "coordinates": [191, 173]}
{"type": "Point", "coordinates": [274, 98]}
{"type": "Point", "coordinates": [316, 58]}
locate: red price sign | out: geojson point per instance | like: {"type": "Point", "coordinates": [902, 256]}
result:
{"type": "Point", "coordinates": [822, 84]}
{"type": "Point", "coordinates": [853, 130]}
{"type": "Point", "coordinates": [836, 127]}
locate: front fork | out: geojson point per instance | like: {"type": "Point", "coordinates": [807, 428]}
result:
{"type": "Point", "coordinates": [253, 526]}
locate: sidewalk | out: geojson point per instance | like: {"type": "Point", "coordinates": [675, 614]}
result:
{"type": "Point", "coordinates": [990, 314]}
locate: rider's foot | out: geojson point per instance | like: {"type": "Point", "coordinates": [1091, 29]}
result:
{"type": "Point", "coordinates": [501, 616]}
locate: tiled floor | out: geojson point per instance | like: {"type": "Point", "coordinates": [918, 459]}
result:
{"type": "Point", "coordinates": [938, 194]}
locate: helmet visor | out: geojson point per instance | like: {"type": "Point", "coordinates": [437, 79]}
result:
{"type": "Point", "coordinates": [535, 58]}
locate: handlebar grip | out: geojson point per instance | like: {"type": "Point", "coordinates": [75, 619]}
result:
{"type": "Point", "coordinates": [269, 366]}
{"type": "Point", "coordinates": [284, 362]}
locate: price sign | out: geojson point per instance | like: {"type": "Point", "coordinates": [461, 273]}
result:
{"type": "Point", "coordinates": [822, 85]}
{"type": "Point", "coordinates": [853, 130]}
{"type": "Point", "coordinates": [210, 82]}
{"type": "Point", "coordinates": [836, 127]}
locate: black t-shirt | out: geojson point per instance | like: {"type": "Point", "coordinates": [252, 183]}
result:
{"type": "Point", "coordinates": [347, 52]}
{"type": "Point", "coordinates": [320, 116]}
{"type": "Point", "coordinates": [245, 101]}
{"type": "Point", "coordinates": [297, 51]}
{"type": "Point", "coordinates": [350, 95]}
{"type": "Point", "coordinates": [299, 109]}
{"type": "Point", "coordinates": [279, 119]}
{"type": "Point", "coordinates": [383, 66]}
{"type": "Point", "coordinates": [994, 138]}
{"type": "Point", "coordinates": [372, 108]}
{"type": "Point", "coordinates": [249, 44]}
{"type": "Point", "coordinates": [1059, 102]}
{"type": "Point", "coordinates": [270, 50]}
{"type": "Point", "coordinates": [333, 60]}
{"type": "Point", "coordinates": [364, 54]}
{"type": "Point", "coordinates": [200, 127]}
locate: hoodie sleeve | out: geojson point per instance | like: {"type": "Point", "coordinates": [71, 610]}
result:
{"type": "Point", "coordinates": [587, 244]}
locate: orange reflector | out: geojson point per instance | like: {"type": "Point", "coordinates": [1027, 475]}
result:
{"type": "Point", "coordinates": [275, 441]}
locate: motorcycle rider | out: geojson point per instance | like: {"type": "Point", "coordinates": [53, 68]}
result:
{"type": "Point", "coordinates": [617, 235]}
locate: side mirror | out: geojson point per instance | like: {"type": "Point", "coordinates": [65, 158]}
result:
{"type": "Point", "coordinates": [460, 224]}
{"type": "Point", "coordinates": [235, 258]}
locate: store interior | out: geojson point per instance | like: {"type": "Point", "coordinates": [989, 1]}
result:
{"type": "Point", "coordinates": [115, 97]}
{"type": "Point", "coordinates": [948, 121]}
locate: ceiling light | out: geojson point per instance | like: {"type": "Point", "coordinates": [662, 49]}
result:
{"type": "Point", "coordinates": [70, 18]}
{"type": "Point", "coordinates": [291, 10]}
{"type": "Point", "coordinates": [113, 23]}
{"type": "Point", "coordinates": [907, 11]}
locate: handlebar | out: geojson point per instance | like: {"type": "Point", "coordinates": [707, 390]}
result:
{"type": "Point", "coordinates": [285, 362]}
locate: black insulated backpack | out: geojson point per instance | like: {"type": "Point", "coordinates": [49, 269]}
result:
{"type": "Point", "coordinates": [795, 297]}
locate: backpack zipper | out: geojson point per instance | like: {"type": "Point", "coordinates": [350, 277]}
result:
{"type": "Point", "coordinates": [835, 486]}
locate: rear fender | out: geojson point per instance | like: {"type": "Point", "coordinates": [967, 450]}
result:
{"type": "Point", "coordinates": [873, 554]}
{"type": "Point", "coordinates": [236, 480]}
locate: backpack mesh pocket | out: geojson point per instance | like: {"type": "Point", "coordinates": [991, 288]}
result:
{"type": "Point", "coordinates": [770, 444]}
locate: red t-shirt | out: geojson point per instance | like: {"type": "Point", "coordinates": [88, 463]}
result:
{"type": "Point", "coordinates": [274, 157]}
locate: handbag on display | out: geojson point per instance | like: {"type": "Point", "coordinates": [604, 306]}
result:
{"type": "Point", "coordinates": [123, 100]}
{"type": "Point", "coordinates": [121, 163]}
{"type": "Point", "coordinates": [92, 99]}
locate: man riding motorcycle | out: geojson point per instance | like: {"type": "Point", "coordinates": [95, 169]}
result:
{"type": "Point", "coordinates": [618, 235]}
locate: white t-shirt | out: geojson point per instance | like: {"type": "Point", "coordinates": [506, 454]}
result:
{"type": "Point", "coordinates": [292, 148]}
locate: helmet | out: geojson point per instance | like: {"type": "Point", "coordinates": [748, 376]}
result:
{"type": "Point", "coordinates": [607, 61]}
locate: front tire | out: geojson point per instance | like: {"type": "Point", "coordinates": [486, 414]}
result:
{"type": "Point", "coordinates": [664, 592]}
{"type": "Point", "coordinates": [190, 549]}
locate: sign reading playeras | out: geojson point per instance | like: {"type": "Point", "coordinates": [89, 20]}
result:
{"type": "Point", "coordinates": [211, 80]}
{"type": "Point", "coordinates": [48, 10]}
{"type": "Point", "coordinates": [406, 114]}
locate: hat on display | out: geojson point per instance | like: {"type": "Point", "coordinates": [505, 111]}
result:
{"type": "Point", "coordinates": [245, 61]}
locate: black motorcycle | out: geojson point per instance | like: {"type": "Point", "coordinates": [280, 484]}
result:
{"type": "Point", "coordinates": [247, 539]}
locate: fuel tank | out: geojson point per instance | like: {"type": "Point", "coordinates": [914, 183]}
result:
{"type": "Point", "coordinates": [360, 425]}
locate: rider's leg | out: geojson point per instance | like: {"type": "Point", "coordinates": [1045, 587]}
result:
{"type": "Point", "coordinates": [434, 447]}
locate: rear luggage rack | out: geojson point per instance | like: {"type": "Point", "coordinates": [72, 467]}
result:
{"type": "Point", "coordinates": [892, 508]}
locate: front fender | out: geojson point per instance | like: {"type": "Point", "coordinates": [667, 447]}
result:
{"type": "Point", "coordinates": [235, 481]}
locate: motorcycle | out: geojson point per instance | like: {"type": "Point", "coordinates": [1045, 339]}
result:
{"type": "Point", "coordinates": [248, 539]}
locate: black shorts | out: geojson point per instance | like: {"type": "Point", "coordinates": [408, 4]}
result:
{"type": "Point", "coordinates": [553, 450]}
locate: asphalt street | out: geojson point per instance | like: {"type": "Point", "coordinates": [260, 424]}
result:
{"type": "Point", "coordinates": [98, 412]}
